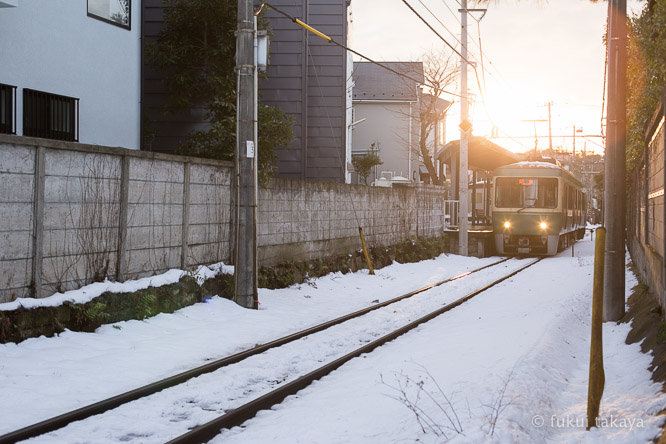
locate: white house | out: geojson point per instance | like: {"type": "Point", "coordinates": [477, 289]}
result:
{"type": "Point", "coordinates": [70, 70]}
{"type": "Point", "coordinates": [387, 122]}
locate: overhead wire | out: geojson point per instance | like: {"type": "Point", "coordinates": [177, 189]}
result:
{"type": "Point", "coordinates": [330, 124]}
{"type": "Point", "coordinates": [440, 22]}
{"type": "Point", "coordinates": [346, 48]}
{"type": "Point", "coordinates": [603, 96]}
{"type": "Point", "coordinates": [451, 11]}
{"type": "Point", "coordinates": [478, 82]}
{"type": "Point", "coordinates": [476, 73]}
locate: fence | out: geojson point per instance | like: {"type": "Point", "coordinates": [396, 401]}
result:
{"type": "Point", "coordinates": [646, 213]}
{"type": "Point", "coordinates": [75, 213]}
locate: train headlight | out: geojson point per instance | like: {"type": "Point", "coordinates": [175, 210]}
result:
{"type": "Point", "coordinates": [507, 224]}
{"type": "Point", "coordinates": [543, 225]}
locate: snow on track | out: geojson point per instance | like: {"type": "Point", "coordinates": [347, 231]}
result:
{"type": "Point", "coordinates": [529, 337]}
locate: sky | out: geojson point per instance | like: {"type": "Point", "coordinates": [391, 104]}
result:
{"type": "Point", "coordinates": [524, 344]}
{"type": "Point", "coordinates": [534, 52]}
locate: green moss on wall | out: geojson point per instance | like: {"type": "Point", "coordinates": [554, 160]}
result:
{"type": "Point", "coordinates": [108, 308]}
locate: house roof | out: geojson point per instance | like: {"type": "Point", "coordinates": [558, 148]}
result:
{"type": "Point", "coordinates": [482, 154]}
{"type": "Point", "coordinates": [440, 106]}
{"type": "Point", "coordinates": [372, 82]}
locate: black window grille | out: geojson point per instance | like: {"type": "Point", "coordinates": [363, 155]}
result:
{"type": "Point", "coordinates": [7, 109]}
{"type": "Point", "coordinates": [50, 116]}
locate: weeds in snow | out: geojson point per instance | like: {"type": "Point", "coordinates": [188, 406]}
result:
{"type": "Point", "coordinates": [434, 410]}
{"type": "Point", "coordinates": [498, 404]}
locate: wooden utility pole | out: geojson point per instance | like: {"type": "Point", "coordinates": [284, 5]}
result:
{"type": "Point", "coordinates": [615, 162]}
{"type": "Point", "coordinates": [245, 274]}
{"type": "Point", "coordinates": [463, 199]}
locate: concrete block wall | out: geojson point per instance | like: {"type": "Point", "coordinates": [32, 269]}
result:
{"type": "Point", "coordinates": [73, 213]}
{"type": "Point", "coordinates": [306, 220]}
{"type": "Point", "coordinates": [17, 175]}
{"type": "Point", "coordinates": [80, 222]}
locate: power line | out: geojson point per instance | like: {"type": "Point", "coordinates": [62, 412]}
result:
{"type": "Point", "coordinates": [476, 73]}
{"type": "Point", "coordinates": [440, 22]}
{"type": "Point", "coordinates": [346, 48]}
{"type": "Point", "coordinates": [436, 33]}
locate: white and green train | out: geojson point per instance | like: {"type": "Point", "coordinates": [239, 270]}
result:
{"type": "Point", "coordinates": [538, 208]}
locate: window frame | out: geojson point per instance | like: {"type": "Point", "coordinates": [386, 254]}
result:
{"type": "Point", "coordinates": [499, 186]}
{"type": "Point", "coordinates": [128, 26]}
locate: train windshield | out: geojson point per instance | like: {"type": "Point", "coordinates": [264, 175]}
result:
{"type": "Point", "coordinates": [526, 192]}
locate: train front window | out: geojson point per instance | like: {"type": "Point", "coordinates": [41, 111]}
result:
{"type": "Point", "coordinates": [526, 192]}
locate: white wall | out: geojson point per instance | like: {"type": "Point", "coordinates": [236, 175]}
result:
{"type": "Point", "coordinates": [53, 46]}
{"type": "Point", "coordinates": [388, 124]}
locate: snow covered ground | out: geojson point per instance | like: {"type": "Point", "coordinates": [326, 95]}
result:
{"type": "Point", "coordinates": [511, 365]}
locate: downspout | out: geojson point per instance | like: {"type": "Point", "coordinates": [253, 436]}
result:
{"type": "Point", "coordinates": [409, 142]}
{"type": "Point", "coordinates": [142, 50]}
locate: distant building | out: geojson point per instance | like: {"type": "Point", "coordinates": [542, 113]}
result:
{"type": "Point", "coordinates": [386, 119]}
{"type": "Point", "coordinates": [71, 70]}
{"type": "Point", "coordinates": [308, 78]}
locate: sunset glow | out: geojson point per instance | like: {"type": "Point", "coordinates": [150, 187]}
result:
{"type": "Point", "coordinates": [533, 53]}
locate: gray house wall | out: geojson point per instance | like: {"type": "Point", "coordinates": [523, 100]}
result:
{"type": "Point", "coordinates": [306, 79]}
{"type": "Point", "coordinates": [387, 112]}
{"type": "Point", "coordinates": [387, 125]}
{"type": "Point", "coordinates": [160, 132]}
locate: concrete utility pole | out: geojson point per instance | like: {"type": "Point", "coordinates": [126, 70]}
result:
{"type": "Point", "coordinates": [464, 140]}
{"type": "Point", "coordinates": [245, 275]}
{"type": "Point", "coordinates": [550, 129]}
{"type": "Point", "coordinates": [615, 162]}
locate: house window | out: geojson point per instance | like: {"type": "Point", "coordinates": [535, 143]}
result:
{"type": "Point", "coordinates": [50, 116]}
{"type": "Point", "coordinates": [116, 12]}
{"type": "Point", "coordinates": [7, 109]}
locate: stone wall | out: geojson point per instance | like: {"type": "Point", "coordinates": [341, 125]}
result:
{"type": "Point", "coordinates": [75, 213]}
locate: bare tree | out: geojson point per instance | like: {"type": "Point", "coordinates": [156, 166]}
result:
{"type": "Point", "coordinates": [440, 72]}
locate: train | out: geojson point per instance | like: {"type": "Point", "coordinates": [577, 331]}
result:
{"type": "Point", "coordinates": [538, 208]}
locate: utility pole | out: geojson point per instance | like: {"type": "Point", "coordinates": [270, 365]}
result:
{"type": "Point", "coordinates": [615, 163]}
{"type": "Point", "coordinates": [464, 140]}
{"type": "Point", "coordinates": [550, 130]}
{"type": "Point", "coordinates": [245, 265]}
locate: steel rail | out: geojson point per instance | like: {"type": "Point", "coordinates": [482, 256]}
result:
{"type": "Point", "coordinates": [60, 421]}
{"type": "Point", "coordinates": [236, 417]}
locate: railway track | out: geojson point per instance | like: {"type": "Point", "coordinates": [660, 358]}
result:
{"type": "Point", "coordinates": [248, 410]}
